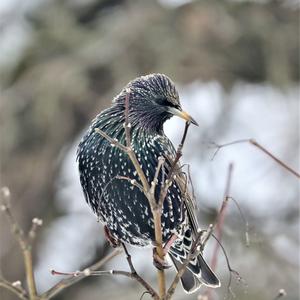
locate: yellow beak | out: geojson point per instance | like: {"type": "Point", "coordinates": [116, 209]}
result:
{"type": "Point", "coordinates": [182, 114]}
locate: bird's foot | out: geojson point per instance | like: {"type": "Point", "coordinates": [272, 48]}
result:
{"type": "Point", "coordinates": [110, 238]}
{"type": "Point", "coordinates": [158, 262]}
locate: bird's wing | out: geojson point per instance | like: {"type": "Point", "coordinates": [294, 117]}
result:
{"type": "Point", "coordinates": [182, 182]}
{"type": "Point", "coordinates": [189, 201]}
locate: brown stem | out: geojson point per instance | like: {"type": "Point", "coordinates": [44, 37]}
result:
{"type": "Point", "coordinates": [218, 225]}
{"type": "Point", "coordinates": [64, 283]}
{"type": "Point", "coordinates": [164, 190]}
{"type": "Point", "coordinates": [260, 147]}
{"type": "Point", "coordinates": [160, 252]}
{"type": "Point", "coordinates": [29, 272]}
{"type": "Point", "coordinates": [139, 279]}
{"type": "Point", "coordinates": [280, 162]}
{"type": "Point", "coordinates": [77, 275]}
{"type": "Point", "coordinates": [221, 217]}
{"type": "Point", "coordinates": [134, 275]}
{"type": "Point", "coordinates": [23, 243]}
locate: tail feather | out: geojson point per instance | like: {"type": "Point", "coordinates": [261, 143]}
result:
{"type": "Point", "coordinates": [189, 281]}
{"type": "Point", "coordinates": [197, 272]}
{"type": "Point", "coordinates": [208, 277]}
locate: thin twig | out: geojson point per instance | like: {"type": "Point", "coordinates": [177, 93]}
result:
{"type": "Point", "coordinates": [260, 147]}
{"type": "Point", "coordinates": [218, 226]}
{"type": "Point", "coordinates": [131, 181]}
{"type": "Point", "coordinates": [221, 216]}
{"type": "Point", "coordinates": [168, 181]}
{"type": "Point", "coordinates": [207, 235]}
{"type": "Point", "coordinates": [135, 275]}
{"type": "Point", "coordinates": [127, 124]}
{"type": "Point", "coordinates": [17, 290]}
{"type": "Point", "coordinates": [88, 272]}
{"type": "Point", "coordinates": [111, 140]}
{"type": "Point", "coordinates": [24, 244]}
{"type": "Point", "coordinates": [64, 283]}
{"type": "Point", "coordinates": [36, 222]}
{"type": "Point", "coordinates": [161, 161]}
{"type": "Point", "coordinates": [131, 152]}
{"type": "Point", "coordinates": [230, 269]}
{"type": "Point", "coordinates": [78, 275]}
{"type": "Point", "coordinates": [247, 238]}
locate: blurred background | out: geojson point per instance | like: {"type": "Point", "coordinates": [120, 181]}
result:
{"type": "Point", "coordinates": [236, 66]}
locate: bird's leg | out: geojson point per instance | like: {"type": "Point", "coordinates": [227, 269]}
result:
{"type": "Point", "coordinates": [169, 243]}
{"type": "Point", "coordinates": [110, 238]}
{"type": "Point", "coordinates": [157, 261]}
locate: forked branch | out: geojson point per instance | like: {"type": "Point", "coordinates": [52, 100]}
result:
{"type": "Point", "coordinates": [260, 147]}
{"type": "Point", "coordinates": [23, 240]}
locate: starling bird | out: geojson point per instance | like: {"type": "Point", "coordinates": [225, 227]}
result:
{"type": "Point", "coordinates": [122, 207]}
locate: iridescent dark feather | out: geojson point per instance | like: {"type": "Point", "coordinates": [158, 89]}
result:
{"type": "Point", "coordinates": [122, 207]}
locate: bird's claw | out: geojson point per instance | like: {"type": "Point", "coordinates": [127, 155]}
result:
{"type": "Point", "coordinates": [158, 262]}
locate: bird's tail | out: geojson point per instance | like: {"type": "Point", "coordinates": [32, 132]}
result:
{"type": "Point", "coordinates": [197, 272]}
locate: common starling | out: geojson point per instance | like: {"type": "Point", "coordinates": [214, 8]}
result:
{"type": "Point", "coordinates": [123, 207]}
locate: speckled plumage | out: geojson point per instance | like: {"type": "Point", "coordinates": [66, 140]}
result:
{"type": "Point", "coordinates": [122, 207]}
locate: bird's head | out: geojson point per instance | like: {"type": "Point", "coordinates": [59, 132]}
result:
{"type": "Point", "coordinates": [153, 99]}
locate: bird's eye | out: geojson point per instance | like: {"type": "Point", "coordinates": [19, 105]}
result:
{"type": "Point", "coordinates": [166, 102]}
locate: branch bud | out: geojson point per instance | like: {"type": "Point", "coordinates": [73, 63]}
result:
{"type": "Point", "coordinates": [5, 192]}
{"type": "Point", "coordinates": [282, 293]}
{"type": "Point", "coordinates": [37, 221]}
{"type": "Point", "coordinates": [87, 272]}
{"type": "Point", "coordinates": [17, 284]}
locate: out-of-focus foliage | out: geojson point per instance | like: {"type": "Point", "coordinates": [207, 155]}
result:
{"type": "Point", "coordinates": [76, 55]}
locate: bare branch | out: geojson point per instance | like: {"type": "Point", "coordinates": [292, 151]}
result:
{"type": "Point", "coordinates": [260, 147]}
{"type": "Point", "coordinates": [168, 181]}
{"type": "Point", "coordinates": [111, 140]}
{"type": "Point", "coordinates": [132, 155]}
{"type": "Point", "coordinates": [78, 275]}
{"type": "Point", "coordinates": [135, 275]}
{"type": "Point", "coordinates": [154, 182]}
{"type": "Point", "coordinates": [23, 242]}
{"type": "Point", "coordinates": [247, 238]}
{"type": "Point", "coordinates": [132, 181]}
{"type": "Point", "coordinates": [230, 269]}
{"type": "Point", "coordinates": [34, 227]}
{"type": "Point", "coordinates": [208, 233]}
{"type": "Point", "coordinates": [67, 282]}
{"type": "Point", "coordinates": [179, 149]}
{"type": "Point", "coordinates": [221, 216]}
{"type": "Point", "coordinates": [15, 288]}
{"type": "Point", "coordinates": [127, 124]}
